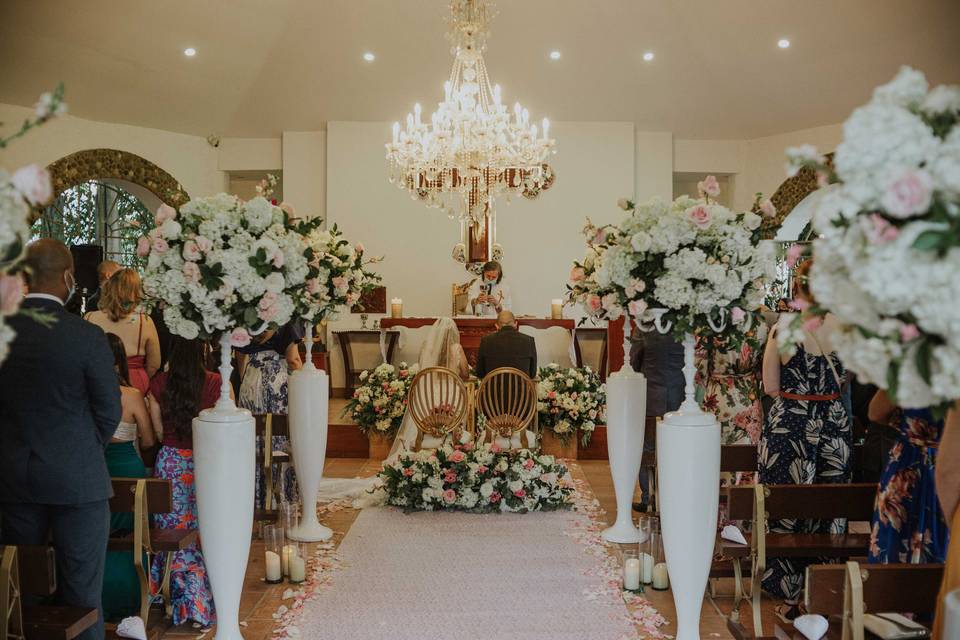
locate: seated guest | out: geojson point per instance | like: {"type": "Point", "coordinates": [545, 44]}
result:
{"type": "Point", "coordinates": [119, 313]}
{"type": "Point", "coordinates": [121, 586]}
{"type": "Point", "coordinates": [59, 407]}
{"type": "Point", "coordinates": [948, 492]}
{"type": "Point", "coordinates": [507, 348]}
{"type": "Point", "coordinates": [489, 294]}
{"type": "Point", "coordinates": [908, 525]}
{"type": "Point", "coordinates": [177, 395]}
{"type": "Point", "coordinates": [806, 437]}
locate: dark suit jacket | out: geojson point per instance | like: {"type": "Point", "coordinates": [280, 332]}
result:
{"type": "Point", "coordinates": [59, 407]}
{"type": "Point", "coordinates": [507, 348]}
{"type": "Point", "coordinates": [660, 359]}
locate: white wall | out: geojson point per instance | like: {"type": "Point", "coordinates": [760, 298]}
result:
{"type": "Point", "coordinates": [304, 171]}
{"type": "Point", "coordinates": [189, 159]}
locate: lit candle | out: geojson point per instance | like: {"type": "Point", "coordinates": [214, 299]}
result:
{"type": "Point", "coordinates": [396, 308]}
{"type": "Point", "coordinates": [274, 572]}
{"type": "Point", "coordinates": [556, 308]}
{"type": "Point", "coordinates": [298, 568]}
{"type": "Point", "coordinates": [646, 571]}
{"type": "Point", "coordinates": [285, 554]}
{"type": "Point", "coordinates": [631, 574]}
{"type": "Point", "coordinates": [661, 579]}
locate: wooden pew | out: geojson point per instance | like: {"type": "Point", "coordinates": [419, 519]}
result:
{"type": "Point", "coordinates": [142, 497]}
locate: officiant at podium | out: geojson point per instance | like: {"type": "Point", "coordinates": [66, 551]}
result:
{"type": "Point", "coordinates": [489, 294]}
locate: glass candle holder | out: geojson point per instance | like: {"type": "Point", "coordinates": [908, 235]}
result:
{"type": "Point", "coordinates": [661, 578]}
{"type": "Point", "coordinates": [297, 562]}
{"type": "Point", "coordinates": [288, 517]}
{"type": "Point", "coordinates": [273, 551]}
{"type": "Point", "coordinates": [396, 308]}
{"type": "Point", "coordinates": [631, 570]}
{"type": "Point", "coordinates": [648, 525]}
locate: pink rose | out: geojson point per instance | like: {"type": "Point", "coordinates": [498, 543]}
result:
{"type": "Point", "coordinates": [267, 307]}
{"type": "Point", "coordinates": [160, 245]}
{"type": "Point", "coordinates": [143, 246]}
{"type": "Point", "coordinates": [709, 186]}
{"type": "Point", "coordinates": [358, 248]}
{"type": "Point", "coordinates": [450, 477]}
{"type": "Point", "coordinates": [551, 395]}
{"type": "Point", "coordinates": [408, 471]}
{"type": "Point", "coordinates": [600, 236]}
{"type": "Point", "coordinates": [528, 464]}
{"type": "Point", "coordinates": [637, 308]}
{"type": "Point", "coordinates": [548, 478]}
{"type": "Point", "coordinates": [908, 194]}
{"type": "Point", "coordinates": [449, 496]}
{"type": "Point", "coordinates": [495, 448]}
{"type": "Point", "coordinates": [634, 287]}
{"type": "Point", "coordinates": [494, 497]}
{"type": "Point", "coordinates": [313, 286]}
{"type": "Point", "coordinates": [33, 183]}
{"type": "Point", "coordinates": [767, 209]}
{"type": "Point", "coordinates": [239, 337]}
{"type": "Point", "coordinates": [277, 258]}
{"type": "Point", "coordinates": [520, 493]}
{"type": "Point", "coordinates": [577, 274]}
{"type": "Point", "coordinates": [737, 315]}
{"type": "Point", "coordinates": [204, 243]}
{"type": "Point", "coordinates": [191, 251]}
{"type": "Point", "coordinates": [482, 468]}
{"type": "Point", "coordinates": [594, 303]}
{"type": "Point", "coordinates": [457, 456]}
{"type": "Point", "coordinates": [794, 253]}
{"type": "Point", "coordinates": [339, 282]}
{"type": "Point", "coordinates": [11, 293]}
{"type": "Point", "coordinates": [881, 230]}
{"type": "Point", "coordinates": [468, 447]}
{"type": "Point", "coordinates": [191, 272]}
{"type": "Point", "coordinates": [909, 332]}
{"type": "Point", "coordinates": [699, 216]}
{"type": "Point", "coordinates": [164, 212]}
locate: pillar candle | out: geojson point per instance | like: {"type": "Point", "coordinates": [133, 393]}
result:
{"type": "Point", "coordinates": [661, 580]}
{"type": "Point", "coordinates": [646, 568]}
{"type": "Point", "coordinates": [556, 309]}
{"type": "Point", "coordinates": [396, 308]}
{"type": "Point", "coordinates": [298, 569]}
{"type": "Point", "coordinates": [631, 574]}
{"type": "Point", "coordinates": [285, 554]}
{"type": "Point", "coordinates": [274, 572]}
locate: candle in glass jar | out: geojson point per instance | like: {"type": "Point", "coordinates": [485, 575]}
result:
{"type": "Point", "coordinates": [274, 572]}
{"type": "Point", "coordinates": [556, 309]}
{"type": "Point", "coordinates": [298, 568]}
{"type": "Point", "coordinates": [285, 553]}
{"type": "Point", "coordinates": [396, 308]}
{"type": "Point", "coordinates": [646, 568]}
{"type": "Point", "coordinates": [631, 574]}
{"type": "Point", "coordinates": [661, 580]}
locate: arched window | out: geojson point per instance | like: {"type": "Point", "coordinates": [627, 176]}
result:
{"type": "Point", "coordinates": [99, 213]}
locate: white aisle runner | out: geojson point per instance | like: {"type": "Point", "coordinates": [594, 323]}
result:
{"type": "Point", "coordinates": [440, 576]}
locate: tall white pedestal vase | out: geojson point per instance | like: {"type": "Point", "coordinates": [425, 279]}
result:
{"type": "Point", "coordinates": [307, 420]}
{"type": "Point", "coordinates": [688, 466]}
{"type": "Point", "coordinates": [224, 451]}
{"type": "Point", "coordinates": [626, 415]}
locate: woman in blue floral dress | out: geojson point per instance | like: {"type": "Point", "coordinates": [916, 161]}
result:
{"type": "Point", "coordinates": [908, 524]}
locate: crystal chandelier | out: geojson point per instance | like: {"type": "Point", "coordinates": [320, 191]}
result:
{"type": "Point", "coordinates": [473, 149]}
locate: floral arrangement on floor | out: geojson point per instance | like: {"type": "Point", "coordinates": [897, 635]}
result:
{"type": "Point", "coordinates": [380, 402]}
{"type": "Point", "coordinates": [701, 263]}
{"type": "Point", "coordinates": [887, 259]}
{"type": "Point", "coordinates": [570, 401]}
{"type": "Point", "coordinates": [221, 264]}
{"type": "Point", "coordinates": [20, 191]}
{"type": "Point", "coordinates": [479, 479]}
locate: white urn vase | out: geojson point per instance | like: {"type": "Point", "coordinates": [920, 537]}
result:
{"type": "Point", "coordinates": [224, 455]}
{"type": "Point", "coordinates": [626, 415]}
{"type": "Point", "coordinates": [307, 419]}
{"type": "Point", "coordinates": [688, 467]}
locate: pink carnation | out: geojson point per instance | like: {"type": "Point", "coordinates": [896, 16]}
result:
{"type": "Point", "coordinates": [11, 293]}
{"type": "Point", "coordinates": [577, 274]}
{"type": "Point", "coordinates": [699, 216]}
{"type": "Point", "coordinates": [457, 456]}
{"type": "Point", "coordinates": [449, 496]}
{"type": "Point", "coordinates": [239, 337]}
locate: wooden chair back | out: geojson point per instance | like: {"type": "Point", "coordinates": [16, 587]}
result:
{"type": "Point", "coordinates": [267, 426]}
{"type": "Point", "coordinates": [438, 402]}
{"type": "Point", "coordinates": [820, 501]}
{"type": "Point", "coordinates": [738, 457]}
{"type": "Point", "coordinates": [508, 400]}
{"type": "Point", "coordinates": [11, 622]}
{"type": "Point", "coordinates": [740, 499]}
{"type": "Point", "coordinates": [597, 339]}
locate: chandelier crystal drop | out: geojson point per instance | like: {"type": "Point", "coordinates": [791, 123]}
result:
{"type": "Point", "coordinates": [473, 148]}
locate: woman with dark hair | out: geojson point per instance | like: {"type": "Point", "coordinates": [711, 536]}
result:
{"type": "Point", "coordinates": [489, 294]}
{"type": "Point", "coordinates": [177, 395]}
{"type": "Point", "coordinates": [121, 586]}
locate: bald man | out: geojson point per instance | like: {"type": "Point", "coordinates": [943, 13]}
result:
{"type": "Point", "coordinates": [507, 348]}
{"type": "Point", "coordinates": [59, 407]}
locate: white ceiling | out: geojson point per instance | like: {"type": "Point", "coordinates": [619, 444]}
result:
{"type": "Point", "coordinates": [264, 67]}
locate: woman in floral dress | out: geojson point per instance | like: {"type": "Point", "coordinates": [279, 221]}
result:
{"type": "Point", "coordinates": [908, 524]}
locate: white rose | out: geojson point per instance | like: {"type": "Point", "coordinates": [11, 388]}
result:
{"type": "Point", "coordinates": [751, 220]}
{"type": "Point", "coordinates": [170, 229]}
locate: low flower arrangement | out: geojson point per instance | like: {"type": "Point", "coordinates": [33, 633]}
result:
{"type": "Point", "coordinates": [700, 262]}
{"type": "Point", "coordinates": [479, 479]}
{"type": "Point", "coordinates": [379, 403]}
{"type": "Point", "coordinates": [571, 401]}
{"type": "Point", "coordinates": [887, 255]}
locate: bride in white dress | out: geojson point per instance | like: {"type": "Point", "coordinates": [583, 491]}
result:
{"type": "Point", "coordinates": [440, 349]}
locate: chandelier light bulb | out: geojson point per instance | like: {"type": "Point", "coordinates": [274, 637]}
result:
{"type": "Point", "coordinates": [546, 128]}
{"type": "Point", "coordinates": [396, 132]}
{"type": "Point", "coordinates": [648, 56]}
{"type": "Point", "coordinates": [783, 43]}
{"type": "Point", "coordinates": [554, 55]}
{"type": "Point", "coordinates": [189, 52]}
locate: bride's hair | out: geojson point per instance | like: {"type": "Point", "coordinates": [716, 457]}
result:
{"type": "Point", "coordinates": [439, 344]}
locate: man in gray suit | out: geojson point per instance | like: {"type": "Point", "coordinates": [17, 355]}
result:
{"type": "Point", "coordinates": [59, 407]}
{"type": "Point", "coordinates": [507, 348]}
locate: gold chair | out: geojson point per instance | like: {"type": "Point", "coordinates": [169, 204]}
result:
{"type": "Point", "coordinates": [508, 400]}
{"type": "Point", "coordinates": [438, 402]}
{"type": "Point", "coordinates": [11, 625]}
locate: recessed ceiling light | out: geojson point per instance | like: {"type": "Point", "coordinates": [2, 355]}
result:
{"type": "Point", "coordinates": [189, 52]}
{"type": "Point", "coordinates": [783, 43]}
{"type": "Point", "coordinates": [648, 56]}
{"type": "Point", "coordinates": [554, 55]}
{"type": "Point", "coordinates": [369, 57]}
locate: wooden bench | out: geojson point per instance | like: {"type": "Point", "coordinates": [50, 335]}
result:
{"type": "Point", "coordinates": [30, 570]}
{"type": "Point", "coordinates": [267, 426]}
{"type": "Point", "coordinates": [775, 502]}
{"type": "Point", "coordinates": [142, 497]}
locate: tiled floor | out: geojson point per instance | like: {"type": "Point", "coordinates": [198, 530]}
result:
{"type": "Point", "coordinates": [260, 601]}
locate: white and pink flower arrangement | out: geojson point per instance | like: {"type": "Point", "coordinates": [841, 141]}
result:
{"type": "Point", "coordinates": [220, 264]}
{"type": "Point", "coordinates": [702, 266]}
{"type": "Point", "coordinates": [887, 259]}
{"type": "Point", "coordinates": [380, 401]}
{"type": "Point", "coordinates": [479, 479]}
{"type": "Point", "coordinates": [26, 188]}
{"type": "Point", "coordinates": [571, 401]}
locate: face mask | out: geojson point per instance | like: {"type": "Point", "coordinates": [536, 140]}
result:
{"type": "Point", "coordinates": [71, 286]}
{"type": "Point", "coordinates": [490, 280]}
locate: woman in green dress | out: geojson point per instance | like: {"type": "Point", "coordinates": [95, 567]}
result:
{"type": "Point", "coordinates": [121, 587]}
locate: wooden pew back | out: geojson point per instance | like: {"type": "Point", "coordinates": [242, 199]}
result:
{"type": "Point", "coordinates": [820, 501]}
{"type": "Point", "coordinates": [158, 492]}
{"type": "Point", "coordinates": [910, 588]}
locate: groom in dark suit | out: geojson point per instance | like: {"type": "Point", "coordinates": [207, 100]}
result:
{"type": "Point", "coordinates": [59, 407]}
{"type": "Point", "coordinates": [507, 348]}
